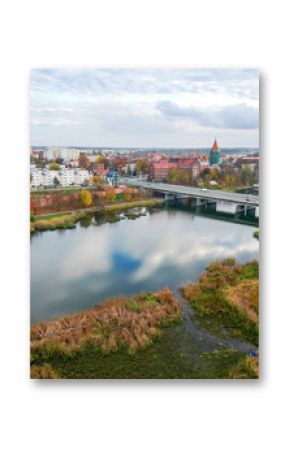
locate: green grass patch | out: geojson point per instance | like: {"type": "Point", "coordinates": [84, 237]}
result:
{"type": "Point", "coordinates": [211, 307]}
{"type": "Point", "coordinates": [170, 356]}
{"type": "Point", "coordinates": [51, 217]}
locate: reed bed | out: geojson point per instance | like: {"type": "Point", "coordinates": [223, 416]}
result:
{"type": "Point", "coordinates": [122, 322]}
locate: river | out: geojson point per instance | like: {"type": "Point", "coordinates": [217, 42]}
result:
{"type": "Point", "coordinates": [76, 268]}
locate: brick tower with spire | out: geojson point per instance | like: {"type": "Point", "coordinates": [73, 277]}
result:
{"type": "Point", "coordinates": [215, 155]}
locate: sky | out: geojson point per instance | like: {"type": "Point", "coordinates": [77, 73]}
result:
{"type": "Point", "coordinates": [164, 108]}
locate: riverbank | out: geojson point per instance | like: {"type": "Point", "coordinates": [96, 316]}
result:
{"type": "Point", "coordinates": [225, 299]}
{"type": "Point", "coordinates": [154, 335]}
{"type": "Point", "coordinates": [68, 219]}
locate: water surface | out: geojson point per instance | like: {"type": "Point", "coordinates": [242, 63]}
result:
{"type": "Point", "coordinates": [77, 268]}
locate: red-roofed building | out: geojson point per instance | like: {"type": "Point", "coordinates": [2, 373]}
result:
{"type": "Point", "coordinates": [159, 170]}
{"type": "Point", "coordinates": [101, 171]}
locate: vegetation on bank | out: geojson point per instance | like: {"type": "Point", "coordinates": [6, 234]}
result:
{"type": "Point", "coordinates": [225, 299]}
{"type": "Point", "coordinates": [145, 337]}
{"type": "Point", "coordinates": [246, 368]}
{"type": "Point", "coordinates": [141, 337]}
{"type": "Point", "coordinates": [68, 220]}
{"type": "Point", "coordinates": [145, 203]}
{"type": "Point", "coordinates": [166, 358]}
{"type": "Point", "coordinates": [61, 221]}
{"type": "Point", "coordinates": [118, 324]}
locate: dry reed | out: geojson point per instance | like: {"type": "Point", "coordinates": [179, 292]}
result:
{"type": "Point", "coordinates": [129, 322]}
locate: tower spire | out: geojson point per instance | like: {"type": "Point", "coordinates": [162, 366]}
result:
{"type": "Point", "coordinates": [215, 145]}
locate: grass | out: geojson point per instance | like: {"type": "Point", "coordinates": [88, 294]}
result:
{"type": "Point", "coordinates": [158, 361]}
{"type": "Point", "coordinates": [44, 371]}
{"type": "Point", "coordinates": [51, 217]}
{"type": "Point", "coordinates": [246, 368]}
{"type": "Point", "coordinates": [170, 356]}
{"type": "Point", "coordinates": [225, 299]}
{"type": "Point", "coordinates": [61, 221]}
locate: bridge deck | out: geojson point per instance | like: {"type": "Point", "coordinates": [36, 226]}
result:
{"type": "Point", "coordinates": [195, 192]}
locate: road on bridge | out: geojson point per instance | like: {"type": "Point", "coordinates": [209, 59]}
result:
{"type": "Point", "coordinates": [218, 195]}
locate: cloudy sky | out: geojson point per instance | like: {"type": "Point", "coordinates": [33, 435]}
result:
{"type": "Point", "coordinates": [144, 107]}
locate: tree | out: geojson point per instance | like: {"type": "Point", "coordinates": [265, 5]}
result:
{"type": "Point", "coordinates": [98, 181]}
{"type": "Point", "coordinates": [214, 173]}
{"type": "Point", "coordinates": [128, 195]}
{"type": "Point", "coordinates": [102, 160]}
{"type": "Point", "coordinates": [56, 182]}
{"type": "Point", "coordinates": [142, 165]}
{"type": "Point", "coordinates": [247, 176]}
{"type": "Point", "coordinates": [118, 163]}
{"type": "Point", "coordinates": [40, 164]}
{"type": "Point", "coordinates": [110, 194]}
{"type": "Point", "coordinates": [86, 198]}
{"type": "Point", "coordinates": [178, 176]}
{"type": "Point", "coordinates": [84, 162]}
{"type": "Point", "coordinates": [54, 166]}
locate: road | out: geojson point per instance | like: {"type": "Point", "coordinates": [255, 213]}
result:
{"type": "Point", "coordinates": [195, 192]}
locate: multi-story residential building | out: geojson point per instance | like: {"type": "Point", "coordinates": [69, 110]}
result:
{"type": "Point", "coordinates": [251, 162]}
{"type": "Point", "coordinates": [81, 176]}
{"type": "Point", "coordinates": [48, 177]}
{"type": "Point", "coordinates": [36, 177]}
{"type": "Point", "coordinates": [65, 177]}
{"type": "Point", "coordinates": [67, 154]}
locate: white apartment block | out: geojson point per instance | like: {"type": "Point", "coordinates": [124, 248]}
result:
{"type": "Point", "coordinates": [67, 154]}
{"type": "Point", "coordinates": [66, 177]}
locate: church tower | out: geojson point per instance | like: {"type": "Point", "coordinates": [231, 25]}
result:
{"type": "Point", "coordinates": [215, 155]}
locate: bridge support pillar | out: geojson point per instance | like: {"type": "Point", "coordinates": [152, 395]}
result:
{"type": "Point", "coordinates": [227, 207]}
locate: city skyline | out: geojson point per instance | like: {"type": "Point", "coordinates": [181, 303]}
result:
{"type": "Point", "coordinates": [164, 108]}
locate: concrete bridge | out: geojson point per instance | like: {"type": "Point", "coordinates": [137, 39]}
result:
{"type": "Point", "coordinates": [228, 202]}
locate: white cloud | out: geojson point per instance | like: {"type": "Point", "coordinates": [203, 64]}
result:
{"type": "Point", "coordinates": [127, 107]}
